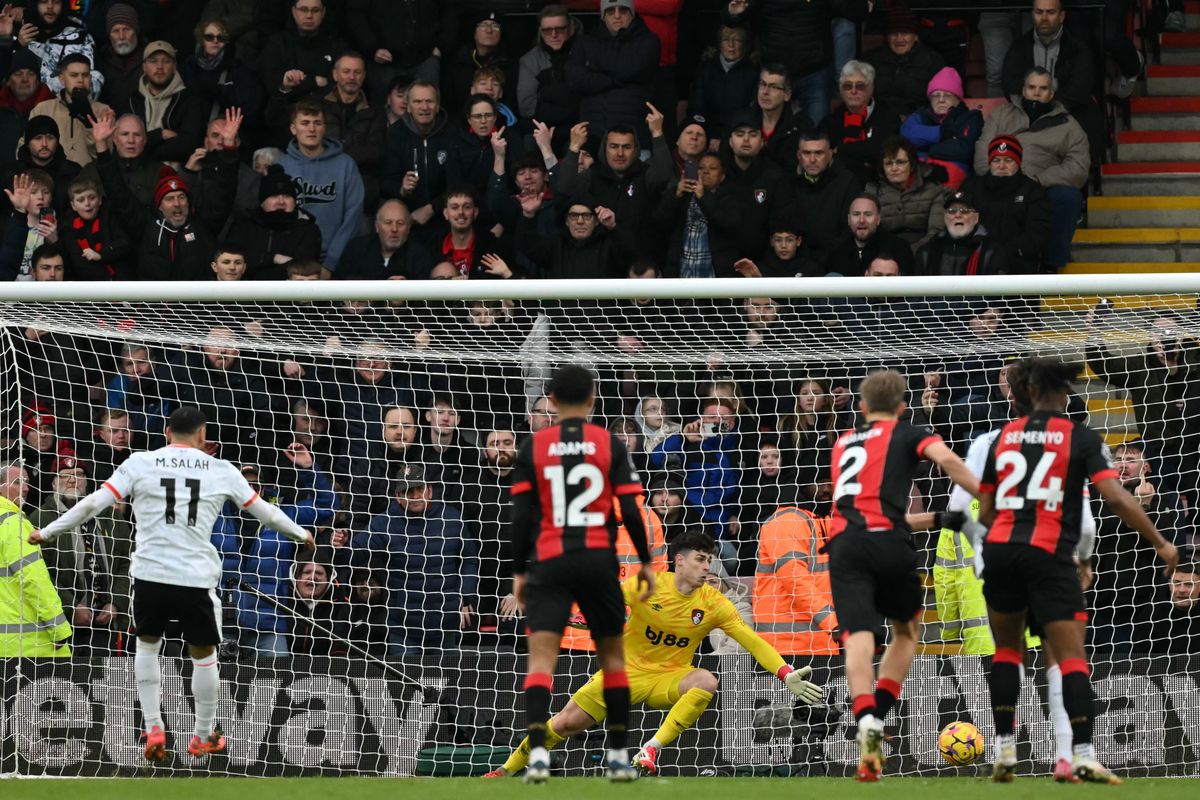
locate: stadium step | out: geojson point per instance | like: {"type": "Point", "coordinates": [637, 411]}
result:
{"type": "Point", "coordinates": [1138, 184]}
{"type": "Point", "coordinates": [1136, 244]}
{"type": "Point", "coordinates": [1171, 146]}
{"type": "Point", "coordinates": [1165, 113]}
{"type": "Point", "coordinates": [1145, 211]}
{"type": "Point", "coordinates": [1180, 48]}
{"type": "Point", "coordinates": [1171, 79]}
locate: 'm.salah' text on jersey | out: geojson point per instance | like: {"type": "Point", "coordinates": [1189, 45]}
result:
{"type": "Point", "coordinates": [177, 493]}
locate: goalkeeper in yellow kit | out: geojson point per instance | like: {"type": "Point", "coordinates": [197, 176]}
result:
{"type": "Point", "coordinates": [661, 638]}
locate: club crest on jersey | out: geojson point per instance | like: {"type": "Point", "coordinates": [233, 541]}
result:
{"type": "Point", "coordinates": [697, 615]}
{"type": "Point", "coordinates": [760, 196]}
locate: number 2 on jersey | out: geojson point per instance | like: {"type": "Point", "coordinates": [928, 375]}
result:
{"type": "Point", "coordinates": [572, 512]}
{"type": "Point", "coordinates": [1039, 488]}
{"type": "Point", "coordinates": [849, 465]}
{"type": "Point", "coordinates": [193, 484]}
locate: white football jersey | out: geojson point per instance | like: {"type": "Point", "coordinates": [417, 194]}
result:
{"type": "Point", "coordinates": [177, 493]}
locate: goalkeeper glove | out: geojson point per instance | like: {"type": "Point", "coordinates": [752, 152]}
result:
{"type": "Point", "coordinates": [795, 679]}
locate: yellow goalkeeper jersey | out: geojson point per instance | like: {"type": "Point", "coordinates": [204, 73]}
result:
{"type": "Point", "coordinates": [663, 633]}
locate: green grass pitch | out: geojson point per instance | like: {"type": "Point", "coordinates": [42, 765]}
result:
{"type": "Point", "coordinates": [582, 789]}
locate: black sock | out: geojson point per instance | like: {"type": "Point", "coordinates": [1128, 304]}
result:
{"type": "Point", "coordinates": [537, 709]}
{"type": "Point", "coordinates": [616, 700]}
{"type": "Point", "coordinates": [1005, 685]}
{"type": "Point", "coordinates": [1078, 700]}
{"type": "Point", "coordinates": [887, 692]}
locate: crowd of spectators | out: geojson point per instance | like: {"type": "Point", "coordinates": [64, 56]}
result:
{"type": "Point", "coordinates": [419, 140]}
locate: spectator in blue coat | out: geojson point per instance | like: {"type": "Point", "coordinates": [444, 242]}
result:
{"type": "Point", "coordinates": [432, 568]}
{"type": "Point", "coordinates": [945, 131]}
{"type": "Point", "coordinates": [266, 566]}
{"type": "Point", "coordinates": [706, 451]}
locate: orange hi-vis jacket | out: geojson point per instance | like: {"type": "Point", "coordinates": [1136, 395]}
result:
{"type": "Point", "coordinates": [793, 605]}
{"type": "Point", "coordinates": [628, 563]}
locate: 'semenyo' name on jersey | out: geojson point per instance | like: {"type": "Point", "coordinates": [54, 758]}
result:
{"type": "Point", "coordinates": [181, 463]}
{"type": "Point", "coordinates": [1034, 437]}
{"type": "Point", "coordinates": [862, 436]}
{"type": "Point", "coordinates": [571, 449]}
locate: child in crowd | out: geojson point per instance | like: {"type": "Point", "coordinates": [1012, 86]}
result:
{"type": "Point", "coordinates": [96, 249]}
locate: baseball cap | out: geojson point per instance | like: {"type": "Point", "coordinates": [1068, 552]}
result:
{"type": "Point", "coordinates": [159, 46]}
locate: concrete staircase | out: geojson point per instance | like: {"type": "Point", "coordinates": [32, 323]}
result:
{"type": "Point", "coordinates": [1148, 219]}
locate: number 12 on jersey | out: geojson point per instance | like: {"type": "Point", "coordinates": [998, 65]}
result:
{"type": "Point", "coordinates": [1009, 494]}
{"type": "Point", "coordinates": [585, 482]}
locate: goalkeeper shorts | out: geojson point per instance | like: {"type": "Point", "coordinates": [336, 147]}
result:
{"type": "Point", "coordinates": [656, 689]}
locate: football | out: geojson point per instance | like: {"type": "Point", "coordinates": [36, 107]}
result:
{"type": "Point", "coordinates": [960, 743]}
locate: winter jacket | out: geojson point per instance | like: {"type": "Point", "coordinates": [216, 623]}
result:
{"type": "Point", "coordinates": [60, 168]}
{"type": "Point", "coordinates": [31, 612]}
{"type": "Point", "coordinates": [784, 141]}
{"type": "Point", "coordinates": [66, 37]}
{"type": "Point", "coordinates": [425, 153]}
{"type": "Point", "coordinates": [711, 469]}
{"type": "Point", "coordinates": [74, 134]}
{"type": "Point", "coordinates": [859, 141]}
{"type": "Point", "coordinates": [662, 18]}
{"type": "Point", "coordinates": [229, 84]}
{"type": "Point", "coordinates": [362, 130]}
{"type": "Point", "coordinates": [330, 189]}
{"type": "Point", "coordinates": [473, 158]}
{"type": "Point", "coordinates": [265, 235]}
{"type": "Point", "coordinates": [121, 75]}
{"type": "Point", "coordinates": [825, 204]}
{"type": "Point", "coordinates": [902, 80]}
{"type": "Point", "coordinates": [408, 29]}
{"type": "Point", "coordinates": [949, 139]}
{"type": "Point", "coordinates": [614, 76]}
{"type": "Point", "coordinates": [24, 107]}
{"type": "Point", "coordinates": [320, 625]}
{"type": "Point", "coordinates": [976, 254]}
{"type": "Point", "coordinates": [761, 192]}
{"type": "Point", "coordinates": [1075, 70]}
{"type": "Point", "coordinates": [1055, 146]}
{"type": "Point", "coordinates": [288, 50]}
{"type": "Point", "coordinates": [913, 213]}
{"type": "Point", "coordinates": [797, 34]}
{"type": "Point", "coordinates": [362, 260]}
{"type": "Point", "coordinates": [270, 559]}
{"type": "Point", "coordinates": [104, 236]}
{"type": "Point", "coordinates": [460, 66]}
{"type": "Point", "coordinates": [186, 115]}
{"type": "Point", "coordinates": [355, 409]}
{"type": "Point", "coordinates": [717, 93]}
{"type": "Point", "coordinates": [722, 211]}
{"type": "Point", "coordinates": [1016, 210]}
{"type": "Point", "coordinates": [542, 89]}
{"type": "Point", "coordinates": [431, 563]}
{"type": "Point", "coordinates": [604, 255]}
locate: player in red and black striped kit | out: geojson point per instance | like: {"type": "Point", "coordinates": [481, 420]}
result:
{"type": "Point", "coordinates": [1031, 495]}
{"type": "Point", "coordinates": [565, 481]}
{"type": "Point", "coordinates": [872, 559]}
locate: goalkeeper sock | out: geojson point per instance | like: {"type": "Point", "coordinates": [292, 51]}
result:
{"type": "Point", "coordinates": [1078, 700]}
{"type": "Point", "coordinates": [682, 716]}
{"type": "Point", "coordinates": [537, 706]}
{"type": "Point", "coordinates": [206, 685]}
{"type": "Point", "coordinates": [616, 700]}
{"type": "Point", "coordinates": [149, 682]}
{"type": "Point", "coordinates": [1005, 685]}
{"type": "Point", "coordinates": [887, 692]}
{"type": "Point", "coordinates": [1058, 713]}
{"type": "Point", "coordinates": [519, 758]}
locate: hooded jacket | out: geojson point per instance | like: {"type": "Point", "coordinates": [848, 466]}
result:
{"type": "Point", "coordinates": [427, 154]}
{"type": "Point", "coordinates": [60, 168]}
{"type": "Point", "coordinates": [267, 234]}
{"type": "Point", "coordinates": [330, 189]}
{"type": "Point", "coordinates": [1055, 147]}
{"type": "Point", "coordinates": [614, 75]}
{"type": "Point", "coordinates": [66, 36]}
{"type": "Point", "coordinates": [183, 112]}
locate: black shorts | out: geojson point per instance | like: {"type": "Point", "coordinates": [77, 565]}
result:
{"type": "Point", "coordinates": [195, 613]}
{"type": "Point", "coordinates": [588, 577]}
{"type": "Point", "coordinates": [1020, 577]}
{"type": "Point", "coordinates": [873, 576]}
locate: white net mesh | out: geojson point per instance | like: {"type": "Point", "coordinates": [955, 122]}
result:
{"type": "Point", "coordinates": [396, 652]}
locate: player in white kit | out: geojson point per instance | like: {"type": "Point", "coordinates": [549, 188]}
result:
{"type": "Point", "coordinates": [177, 492]}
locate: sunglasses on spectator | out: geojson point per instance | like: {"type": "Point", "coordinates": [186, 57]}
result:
{"type": "Point", "coordinates": [896, 162]}
{"type": "Point", "coordinates": [854, 86]}
{"type": "Point", "coordinates": [555, 30]}
{"type": "Point", "coordinates": [580, 216]}
{"type": "Point", "coordinates": [482, 117]}
{"type": "Point", "coordinates": [215, 37]}
{"type": "Point", "coordinates": [959, 211]}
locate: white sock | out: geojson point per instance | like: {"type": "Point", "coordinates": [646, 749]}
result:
{"type": "Point", "coordinates": [149, 682]}
{"type": "Point", "coordinates": [1004, 740]}
{"type": "Point", "coordinates": [617, 757]}
{"type": "Point", "coordinates": [654, 742]}
{"type": "Point", "coordinates": [868, 721]}
{"type": "Point", "coordinates": [206, 686]}
{"type": "Point", "coordinates": [1084, 751]}
{"type": "Point", "coordinates": [1058, 713]}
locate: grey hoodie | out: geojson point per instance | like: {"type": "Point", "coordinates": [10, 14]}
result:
{"type": "Point", "coordinates": [330, 188]}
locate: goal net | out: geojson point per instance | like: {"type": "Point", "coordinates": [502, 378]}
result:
{"type": "Point", "coordinates": [385, 417]}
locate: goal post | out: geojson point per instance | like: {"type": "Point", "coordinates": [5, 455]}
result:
{"type": "Point", "coordinates": [396, 650]}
